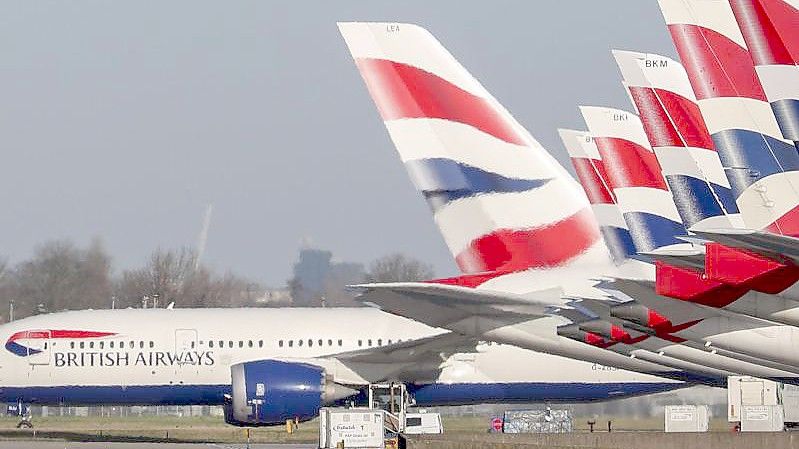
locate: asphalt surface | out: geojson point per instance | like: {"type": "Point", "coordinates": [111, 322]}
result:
{"type": "Point", "coordinates": [101, 445]}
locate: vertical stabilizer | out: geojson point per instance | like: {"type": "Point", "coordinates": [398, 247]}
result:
{"type": "Point", "coordinates": [769, 28]}
{"type": "Point", "coordinates": [635, 176]}
{"type": "Point", "coordinates": [662, 94]}
{"type": "Point", "coordinates": [502, 203]}
{"type": "Point", "coordinates": [760, 163]}
{"type": "Point", "coordinates": [593, 177]}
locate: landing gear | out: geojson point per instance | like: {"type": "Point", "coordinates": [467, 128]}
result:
{"type": "Point", "coordinates": [25, 423]}
{"type": "Point", "coordinates": [24, 413]}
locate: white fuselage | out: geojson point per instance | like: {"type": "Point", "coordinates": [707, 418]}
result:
{"type": "Point", "coordinates": [184, 355]}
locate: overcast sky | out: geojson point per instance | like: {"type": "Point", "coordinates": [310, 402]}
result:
{"type": "Point", "coordinates": [124, 119]}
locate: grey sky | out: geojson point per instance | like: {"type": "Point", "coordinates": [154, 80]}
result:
{"type": "Point", "coordinates": [123, 119]}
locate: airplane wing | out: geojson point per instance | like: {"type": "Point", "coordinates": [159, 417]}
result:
{"type": "Point", "coordinates": [438, 305]}
{"type": "Point", "coordinates": [411, 361]}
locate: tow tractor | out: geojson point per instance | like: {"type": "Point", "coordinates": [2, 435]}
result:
{"type": "Point", "coordinates": [379, 425]}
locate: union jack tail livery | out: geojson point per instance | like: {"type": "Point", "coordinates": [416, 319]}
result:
{"type": "Point", "coordinates": [738, 115]}
{"type": "Point", "coordinates": [501, 201]}
{"type": "Point", "coordinates": [635, 177]}
{"type": "Point", "coordinates": [769, 28]}
{"type": "Point", "coordinates": [592, 175]}
{"type": "Point", "coordinates": [662, 94]}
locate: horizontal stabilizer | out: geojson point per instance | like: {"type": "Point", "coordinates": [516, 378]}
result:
{"type": "Point", "coordinates": [690, 258]}
{"type": "Point", "coordinates": [762, 242]}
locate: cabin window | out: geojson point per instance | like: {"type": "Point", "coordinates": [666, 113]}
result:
{"type": "Point", "coordinates": [249, 343]}
{"type": "Point", "coordinates": [360, 343]}
{"type": "Point", "coordinates": [291, 343]}
{"type": "Point", "coordinates": [141, 345]}
{"type": "Point", "coordinates": [102, 345]}
{"type": "Point", "coordinates": [241, 344]}
{"type": "Point", "coordinates": [340, 342]}
{"type": "Point", "coordinates": [370, 342]}
{"type": "Point", "coordinates": [230, 343]}
{"type": "Point", "coordinates": [152, 345]}
{"type": "Point", "coordinates": [310, 342]}
{"type": "Point", "coordinates": [389, 341]}
{"type": "Point", "coordinates": [45, 345]}
{"type": "Point", "coordinates": [72, 345]}
{"type": "Point", "coordinates": [260, 343]}
{"type": "Point", "coordinates": [210, 343]}
{"type": "Point", "coordinates": [379, 342]}
{"type": "Point", "coordinates": [81, 345]}
{"type": "Point", "coordinates": [299, 342]}
{"type": "Point", "coordinates": [132, 345]}
{"type": "Point", "coordinates": [221, 344]}
{"type": "Point", "coordinates": [111, 344]}
{"type": "Point", "coordinates": [330, 342]}
{"type": "Point", "coordinates": [193, 344]}
{"type": "Point", "coordinates": [280, 343]}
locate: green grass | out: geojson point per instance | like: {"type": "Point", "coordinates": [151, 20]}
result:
{"type": "Point", "coordinates": [213, 429]}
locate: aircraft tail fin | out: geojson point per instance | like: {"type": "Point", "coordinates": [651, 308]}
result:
{"type": "Point", "coordinates": [502, 203]}
{"type": "Point", "coordinates": [592, 175]}
{"type": "Point", "coordinates": [661, 92]}
{"type": "Point", "coordinates": [635, 176]}
{"type": "Point", "coordinates": [762, 166]}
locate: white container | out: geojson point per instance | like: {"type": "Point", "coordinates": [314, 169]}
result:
{"type": "Point", "coordinates": [686, 418]}
{"type": "Point", "coordinates": [762, 418]}
{"type": "Point", "coordinates": [743, 391]}
{"type": "Point", "coordinates": [423, 423]}
{"type": "Point", "coordinates": [360, 428]}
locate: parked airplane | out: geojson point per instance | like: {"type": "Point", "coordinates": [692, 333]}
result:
{"type": "Point", "coordinates": [269, 365]}
{"type": "Point", "coordinates": [514, 219]}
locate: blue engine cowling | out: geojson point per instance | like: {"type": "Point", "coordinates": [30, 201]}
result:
{"type": "Point", "coordinates": [268, 392]}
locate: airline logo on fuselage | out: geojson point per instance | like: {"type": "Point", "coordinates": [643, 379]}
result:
{"type": "Point", "coordinates": [15, 347]}
{"type": "Point", "coordinates": [24, 344]}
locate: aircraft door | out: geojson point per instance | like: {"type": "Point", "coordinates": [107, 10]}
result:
{"type": "Point", "coordinates": [38, 344]}
{"type": "Point", "coordinates": [185, 340]}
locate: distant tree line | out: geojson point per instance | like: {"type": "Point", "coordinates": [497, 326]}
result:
{"type": "Point", "coordinates": [61, 275]}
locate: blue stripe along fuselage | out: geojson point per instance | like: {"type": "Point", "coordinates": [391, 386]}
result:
{"type": "Point", "coordinates": [697, 200]}
{"type": "Point", "coordinates": [619, 242]}
{"type": "Point", "coordinates": [426, 394]}
{"type": "Point", "coordinates": [787, 113]}
{"type": "Point", "coordinates": [748, 156]}
{"type": "Point", "coordinates": [444, 180]}
{"type": "Point", "coordinates": [650, 231]}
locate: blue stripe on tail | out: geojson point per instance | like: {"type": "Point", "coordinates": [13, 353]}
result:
{"type": "Point", "coordinates": [749, 156]}
{"type": "Point", "coordinates": [650, 232]}
{"type": "Point", "coordinates": [698, 200]}
{"type": "Point", "coordinates": [444, 180]}
{"type": "Point", "coordinates": [619, 242]}
{"type": "Point", "coordinates": [787, 113]}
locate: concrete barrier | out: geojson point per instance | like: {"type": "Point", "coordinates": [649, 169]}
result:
{"type": "Point", "coordinates": [617, 440]}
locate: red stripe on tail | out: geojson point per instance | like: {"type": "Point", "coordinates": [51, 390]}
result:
{"type": "Point", "coordinates": [629, 164]}
{"type": "Point", "coordinates": [403, 91]}
{"type": "Point", "coordinates": [593, 176]}
{"type": "Point", "coordinates": [671, 119]}
{"type": "Point", "coordinates": [509, 250]}
{"type": "Point", "coordinates": [717, 66]}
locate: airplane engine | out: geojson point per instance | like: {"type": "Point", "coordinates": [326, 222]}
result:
{"type": "Point", "coordinates": [269, 392]}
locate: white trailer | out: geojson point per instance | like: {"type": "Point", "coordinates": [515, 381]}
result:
{"type": "Point", "coordinates": [751, 399]}
{"type": "Point", "coordinates": [361, 428]}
